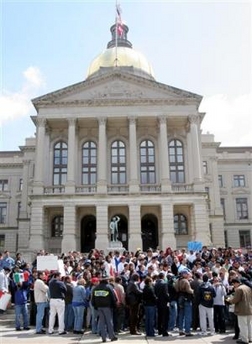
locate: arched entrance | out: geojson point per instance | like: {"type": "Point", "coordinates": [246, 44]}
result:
{"type": "Point", "coordinates": [88, 233]}
{"type": "Point", "coordinates": [122, 230]}
{"type": "Point", "coordinates": [149, 231]}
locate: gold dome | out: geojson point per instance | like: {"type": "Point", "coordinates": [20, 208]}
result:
{"type": "Point", "coordinates": [126, 57]}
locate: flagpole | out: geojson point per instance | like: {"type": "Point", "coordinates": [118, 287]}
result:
{"type": "Point", "coordinates": [116, 35]}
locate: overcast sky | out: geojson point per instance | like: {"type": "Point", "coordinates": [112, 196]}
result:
{"type": "Point", "coordinates": [199, 46]}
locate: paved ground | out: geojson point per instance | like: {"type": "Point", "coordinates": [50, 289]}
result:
{"type": "Point", "coordinates": [8, 335]}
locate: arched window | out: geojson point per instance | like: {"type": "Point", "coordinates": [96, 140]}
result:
{"type": "Point", "coordinates": [89, 163]}
{"type": "Point", "coordinates": [60, 163]}
{"type": "Point", "coordinates": [57, 226]}
{"type": "Point", "coordinates": [118, 163]}
{"type": "Point", "coordinates": [147, 162]}
{"type": "Point", "coordinates": [180, 224]}
{"type": "Point", "coordinates": [176, 159]}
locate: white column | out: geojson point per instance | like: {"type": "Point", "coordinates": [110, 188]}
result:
{"type": "Point", "coordinates": [200, 228]}
{"type": "Point", "coordinates": [102, 157]}
{"type": "Point", "coordinates": [168, 238]}
{"type": "Point", "coordinates": [70, 185]}
{"type": "Point", "coordinates": [197, 161]}
{"type": "Point", "coordinates": [69, 232]}
{"type": "Point", "coordinates": [134, 232]}
{"type": "Point", "coordinates": [102, 228]}
{"type": "Point", "coordinates": [133, 181]}
{"type": "Point", "coordinates": [163, 155]}
{"type": "Point", "coordinates": [39, 159]}
{"type": "Point", "coordinates": [37, 228]}
{"type": "Point", "coordinates": [215, 195]}
{"type": "Point", "coordinates": [24, 195]}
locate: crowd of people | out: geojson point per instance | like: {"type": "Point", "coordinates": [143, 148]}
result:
{"type": "Point", "coordinates": [157, 292]}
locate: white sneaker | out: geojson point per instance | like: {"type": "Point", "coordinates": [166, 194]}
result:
{"type": "Point", "coordinates": [202, 333]}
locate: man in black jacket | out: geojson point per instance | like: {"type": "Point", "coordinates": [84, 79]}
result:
{"type": "Point", "coordinates": [161, 291]}
{"type": "Point", "coordinates": [104, 300]}
{"type": "Point", "coordinates": [206, 294]}
{"type": "Point", "coordinates": [133, 300]}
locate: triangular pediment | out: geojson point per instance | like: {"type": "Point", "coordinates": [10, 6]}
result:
{"type": "Point", "coordinates": [113, 87]}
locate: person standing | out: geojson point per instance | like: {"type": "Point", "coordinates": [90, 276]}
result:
{"type": "Point", "coordinates": [242, 300]}
{"type": "Point", "coordinates": [21, 308]}
{"type": "Point", "coordinates": [149, 303]}
{"type": "Point", "coordinates": [219, 306]}
{"type": "Point", "coordinates": [161, 291]}
{"type": "Point", "coordinates": [206, 301]}
{"type": "Point", "coordinates": [41, 300]}
{"type": "Point", "coordinates": [78, 303]}
{"type": "Point", "coordinates": [185, 296]}
{"type": "Point", "coordinates": [133, 299]}
{"type": "Point", "coordinates": [104, 300]}
{"type": "Point", "coordinates": [57, 292]}
{"type": "Point", "coordinates": [4, 283]}
{"type": "Point", "coordinates": [69, 314]}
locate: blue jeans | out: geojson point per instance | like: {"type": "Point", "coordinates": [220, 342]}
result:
{"type": "Point", "coordinates": [185, 316]}
{"type": "Point", "coordinates": [21, 310]}
{"type": "Point", "coordinates": [78, 317]}
{"type": "Point", "coordinates": [69, 317]}
{"type": "Point", "coordinates": [41, 306]}
{"type": "Point", "coordinates": [94, 320]}
{"type": "Point", "coordinates": [150, 317]}
{"type": "Point", "coordinates": [173, 315]}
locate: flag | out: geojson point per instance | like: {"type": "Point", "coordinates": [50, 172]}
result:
{"type": "Point", "coordinates": [119, 29]}
{"type": "Point", "coordinates": [119, 24]}
{"type": "Point", "coordinates": [20, 277]}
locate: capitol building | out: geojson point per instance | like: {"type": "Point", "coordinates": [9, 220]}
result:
{"type": "Point", "coordinates": [120, 143]}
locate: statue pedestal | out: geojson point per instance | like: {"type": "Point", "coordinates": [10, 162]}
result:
{"type": "Point", "coordinates": [116, 246]}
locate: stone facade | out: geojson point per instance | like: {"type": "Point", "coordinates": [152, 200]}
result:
{"type": "Point", "coordinates": [122, 144]}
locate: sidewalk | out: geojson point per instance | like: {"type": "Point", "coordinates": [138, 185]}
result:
{"type": "Point", "coordinates": [8, 335]}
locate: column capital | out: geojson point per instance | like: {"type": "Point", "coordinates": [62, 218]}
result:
{"type": "Point", "coordinates": [132, 119]}
{"type": "Point", "coordinates": [193, 119]}
{"type": "Point", "coordinates": [162, 119]}
{"type": "Point", "coordinates": [102, 120]}
{"type": "Point", "coordinates": [72, 121]}
{"type": "Point", "coordinates": [26, 162]}
{"type": "Point", "coordinates": [41, 121]}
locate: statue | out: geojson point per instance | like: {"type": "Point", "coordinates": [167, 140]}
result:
{"type": "Point", "coordinates": [114, 227]}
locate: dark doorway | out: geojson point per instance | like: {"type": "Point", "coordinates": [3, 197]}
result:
{"type": "Point", "coordinates": [122, 230]}
{"type": "Point", "coordinates": [149, 231]}
{"type": "Point", "coordinates": [88, 233]}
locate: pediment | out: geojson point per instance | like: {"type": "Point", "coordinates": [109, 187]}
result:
{"type": "Point", "coordinates": [115, 87]}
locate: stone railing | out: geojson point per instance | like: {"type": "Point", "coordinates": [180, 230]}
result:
{"type": "Point", "coordinates": [150, 188]}
{"type": "Point", "coordinates": [118, 189]}
{"type": "Point", "coordinates": [86, 189]}
{"type": "Point", "coordinates": [55, 189]}
{"type": "Point", "coordinates": [182, 187]}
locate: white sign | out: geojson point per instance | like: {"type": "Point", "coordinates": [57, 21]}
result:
{"type": "Point", "coordinates": [47, 263]}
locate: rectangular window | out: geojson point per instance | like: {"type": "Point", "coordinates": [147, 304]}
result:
{"type": "Point", "coordinates": [3, 212]}
{"type": "Point", "coordinates": [205, 167]}
{"type": "Point", "coordinates": [222, 202]}
{"type": "Point", "coordinates": [19, 209]}
{"type": "Point", "coordinates": [220, 178]}
{"type": "Point", "coordinates": [245, 238]}
{"type": "Point", "coordinates": [239, 180]}
{"type": "Point", "coordinates": [3, 185]}
{"type": "Point", "coordinates": [2, 242]}
{"type": "Point", "coordinates": [20, 184]}
{"type": "Point", "coordinates": [242, 208]}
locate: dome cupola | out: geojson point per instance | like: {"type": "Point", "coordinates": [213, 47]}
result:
{"type": "Point", "coordinates": [120, 54]}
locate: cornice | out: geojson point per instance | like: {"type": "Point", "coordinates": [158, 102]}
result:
{"type": "Point", "coordinates": [113, 102]}
{"type": "Point", "coordinates": [53, 97]}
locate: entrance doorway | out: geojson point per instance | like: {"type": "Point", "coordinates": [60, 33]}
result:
{"type": "Point", "coordinates": [149, 231]}
{"type": "Point", "coordinates": [88, 233]}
